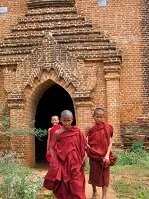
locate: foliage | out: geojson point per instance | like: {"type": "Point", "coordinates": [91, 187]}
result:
{"type": "Point", "coordinates": [132, 166]}
{"type": "Point", "coordinates": [17, 130]}
{"type": "Point", "coordinates": [137, 156]}
{"type": "Point", "coordinates": [137, 146]}
{"type": "Point", "coordinates": [131, 190]}
{"type": "Point", "coordinates": [40, 133]}
{"type": "Point", "coordinates": [17, 180]}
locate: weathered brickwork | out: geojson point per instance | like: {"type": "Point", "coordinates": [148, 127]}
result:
{"type": "Point", "coordinates": [145, 49]}
{"type": "Point", "coordinates": [126, 23]}
{"type": "Point", "coordinates": [97, 54]}
{"type": "Point", "coordinates": [121, 20]}
{"type": "Point", "coordinates": [16, 10]}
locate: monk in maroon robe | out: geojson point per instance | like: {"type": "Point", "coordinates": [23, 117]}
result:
{"type": "Point", "coordinates": [66, 174]}
{"type": "Point", "coordinates": [51, 131]}
{"type": "Point", "coordinates": [99, 152]}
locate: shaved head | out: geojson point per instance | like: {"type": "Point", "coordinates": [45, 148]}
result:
{"type": "Point", "coordinates": [99, 111]}
{"type": "Point", "coordinates": [66, 114]}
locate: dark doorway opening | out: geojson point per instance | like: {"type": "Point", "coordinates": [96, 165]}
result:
{"type": "Point", "coordinates": [53, 102]}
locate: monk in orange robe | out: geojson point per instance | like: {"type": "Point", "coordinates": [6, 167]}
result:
{"type": "Point", "coordinates": [65, 176]}
{"type": "Point", "coordinates": [100, 143]}
{"type": "Point", "coordinates": [51, 131]}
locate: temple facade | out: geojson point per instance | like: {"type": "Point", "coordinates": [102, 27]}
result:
{"type": "Point", "coordinates": [76, 55]}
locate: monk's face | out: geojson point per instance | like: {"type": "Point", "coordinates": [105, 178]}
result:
{"type": "Point", "coordinates": [66, 122]}
{"type": "Point", "coordinates": [98, 117]}
{"type": "Point", "coordinates": [54, 120]}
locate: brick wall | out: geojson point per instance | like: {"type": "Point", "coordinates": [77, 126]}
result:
{"type": "Point", "coordinates": [16, 10]}
{"type": "Point", "coordinates": [122, 21]}
{"type": "Point", "coordinates": [145, 54]}
{"type": "Point", "coordinates": [23, 146]}
{"type": "Point", "coordinates": [4, 142]}
{"type": "Point", "coordinates": [2, 92]}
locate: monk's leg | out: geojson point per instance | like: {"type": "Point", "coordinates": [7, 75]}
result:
{"type": "Point", "coordinates": [94, 192]}
{"type": "Point", "coordinates": [104, 192]}
{"type": "Point", "coordinates": [106, 177]}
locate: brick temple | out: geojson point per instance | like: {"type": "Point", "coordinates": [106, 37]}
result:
{"type": "Point", "coordinates": [76, 55]}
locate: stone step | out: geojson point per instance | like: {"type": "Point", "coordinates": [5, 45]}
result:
{"type": "Point", "coordinates": [98, 47]}
{"type": "Point", "coordinates": [94, 54]}
{"type": "Point", "coordinates": [52, 22]}
{"type": "Point", "coordinates": [49, 3]}
{"type": "Point", "coordinates": [51, 10]}
{"type": "Point", "coordinates": [77, 33]}
{"type": "Point", "coordinates": [83, 38]}
{"type": "Point", "coordinates": [20, 43]}
{"type": "Point", "coordinates": [55, 32]}
{"type": "Point", "coordinates": [50, 26]}
{"type": "Point", "coordinates": [50, 18]}
{"type": "Point", "coordinates": [11, 59]}
{"type": "Point", "coordinates": [90, 46]}
{"type": "Point", "coordinates": [113, 60]}
{"type": "Point", "coordinates": [16, 51]}
{"type": "Point", "coordinates": [79, 30]}
{"type": "Point", "coordinates": [28, 34]}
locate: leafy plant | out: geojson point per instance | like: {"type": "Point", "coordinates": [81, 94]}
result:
{"type": "Point", "coordinates": [139, 158]}
{"type": "Point", "coordinates": [39, 133]}
{"type": "Point", "coordinates": [137, 146]}
{"type": "Point", "coordinates": [17, 180]}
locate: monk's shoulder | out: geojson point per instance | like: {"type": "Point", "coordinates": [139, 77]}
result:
{"type": "Point", "coordinates": [59, 131]}
{"type": "Point", "coordinates": [109, 128]}
{"type": "Point", "coordinates": [90, 126]}
{"type": "Point", "coordinates": [49, 129]}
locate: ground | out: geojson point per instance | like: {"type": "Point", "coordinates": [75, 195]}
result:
{"type": "Point", "coordinates": [41, 171]}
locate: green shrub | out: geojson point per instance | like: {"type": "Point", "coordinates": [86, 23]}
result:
{"type": "Point", "coordinates": [137, 156]}
{"type": "Point", "coordinates": [137, 146]}
{"type": "Point", "coordinates": [17, 181]}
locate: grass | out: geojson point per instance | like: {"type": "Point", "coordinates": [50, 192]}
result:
{"type": "Point", "coordinates": [130, 176]}
{"type": "Point", "coordinates": [130, 190]}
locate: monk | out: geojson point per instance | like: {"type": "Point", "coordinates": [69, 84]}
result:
{"type": "Point", "coordinates": [65, 176]}
{"type": "Point", "coordinates": [100, 143]}
{"type": "Point", "coordinates": [51, 131]}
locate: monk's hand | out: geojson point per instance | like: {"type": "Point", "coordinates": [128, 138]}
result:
{"type": "Point", "coordinates": [106, 158]}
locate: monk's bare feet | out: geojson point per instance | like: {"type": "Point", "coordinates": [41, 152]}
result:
{"type": "Point", "coordinates": [94, 196]}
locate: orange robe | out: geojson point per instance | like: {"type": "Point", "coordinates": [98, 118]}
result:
{"type": "Point", "coordinates": [66, 174]}
{"type": "Point", "coordinates": [99, 140]}
{"type": "Point", "coordinates": [51, 133]}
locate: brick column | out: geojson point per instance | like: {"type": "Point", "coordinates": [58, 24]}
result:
{"type": "Point", "coordinates": [21, 142]}
{"type": "Point", "coordinates": [16, 104]}
{"type": "Point", "coordinates": [113, 104]}
{"type": "Point", "coordinates": [83, 107]}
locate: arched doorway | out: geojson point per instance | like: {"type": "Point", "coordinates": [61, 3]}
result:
{"type": "Point", "coordinates": [53, 102]}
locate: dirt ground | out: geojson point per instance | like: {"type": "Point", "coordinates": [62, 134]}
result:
{"type": "Point", "coordinates": [111, 194]}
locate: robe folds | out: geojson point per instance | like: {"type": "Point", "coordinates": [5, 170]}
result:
{"type": "Point", "coordinates": [51, 133]}
{"type": "Point", "coordinates": [65, 176]}
{"type": "Point", "coordinates": [99, 140]}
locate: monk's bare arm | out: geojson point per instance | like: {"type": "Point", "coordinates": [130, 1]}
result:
{"type": "Point", "coordinates": [48, 138]}
{"type": "Point", "coordinates": [87, 130]}
{"type": "Point", "coordinates": [53, 144]}
{"type": "Point", "coordinates": [109, 149]}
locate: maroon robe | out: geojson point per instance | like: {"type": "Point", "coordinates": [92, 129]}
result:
{"type": "Point", "coordinates": [51, 133]}
{"type": "Point", "coordinates": [66, 178]}
{"type": "Point", "coordinates": [99, 140]}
